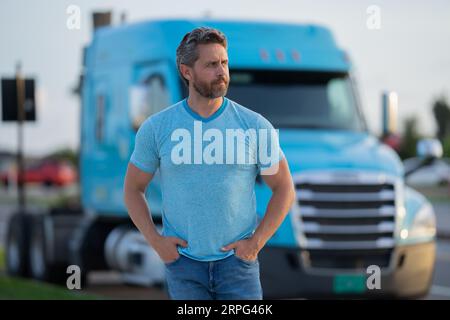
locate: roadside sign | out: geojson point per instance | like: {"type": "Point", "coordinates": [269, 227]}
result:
{"type": "Point", "coordinates": [10, 103]}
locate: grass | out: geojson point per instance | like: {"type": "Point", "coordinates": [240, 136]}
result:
{"type": "Point", "coordinates": [24, 289]}
{"type": "Point", "coordinates": [12, 288]}
{"type": "Point", "coordinates": [2, 260]}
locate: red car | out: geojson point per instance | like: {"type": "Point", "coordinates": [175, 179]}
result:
{"type": "Point", "coordinates": [46, 172]}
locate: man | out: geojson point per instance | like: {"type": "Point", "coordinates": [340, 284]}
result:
{"type": "Point", "coordinates": [211, 236]}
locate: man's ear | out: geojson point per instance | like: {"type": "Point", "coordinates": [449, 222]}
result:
{"type": "Point", "coordinates": [185, 71]}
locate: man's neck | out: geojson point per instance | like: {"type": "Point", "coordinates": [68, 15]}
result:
{"type": "Point", "coordinates": [205, 107]}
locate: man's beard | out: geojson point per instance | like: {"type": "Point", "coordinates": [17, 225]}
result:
{"type": "Point", "coordinates": [211, 90]}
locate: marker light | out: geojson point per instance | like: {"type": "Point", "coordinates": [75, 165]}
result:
{"type": "Point", "coordinates": [264, 54]}
{"type": "Point", "coordinates": [280, 55]}
{"type": "Point", "coordinates": [295, 55]}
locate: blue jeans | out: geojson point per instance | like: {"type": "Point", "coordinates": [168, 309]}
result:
{"type": "Point", "coordinates": [231, 278]}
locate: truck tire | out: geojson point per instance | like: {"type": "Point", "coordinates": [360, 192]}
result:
{"type": "Point", "coordinates": [47, 183]}
{"type": "Point", "coordinates": [5, 183]}
{"type": "Point", "coordinates": [17, 245]}
{"type": "Point", "coordinates": [41, 266]}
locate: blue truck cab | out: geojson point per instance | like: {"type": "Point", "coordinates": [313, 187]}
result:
{"type": "Point", "coordinates": [354, 218]}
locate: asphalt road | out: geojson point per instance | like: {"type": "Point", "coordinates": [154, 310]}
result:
{"type": "Point", "coordinates": [441, 279]}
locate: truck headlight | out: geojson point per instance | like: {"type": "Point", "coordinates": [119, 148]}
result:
{"type": "Point", "coordinates": [424, 224]}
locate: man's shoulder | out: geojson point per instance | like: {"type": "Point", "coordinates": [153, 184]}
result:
{"type": "Point", "coordinates": [159, 120]}
{"type": "Point", "coordinates": [250, 115]}
{"type": "Point", "coordinates": [162, 117]}
{"type": "Point", "coordinates": [166, 112]}
{"type": "Point", "coordinates": [246, 112]}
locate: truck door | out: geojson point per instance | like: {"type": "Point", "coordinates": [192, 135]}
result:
{"type": "Point", "coordinates": [156, 86]}
{"type": "Point", "coordinates": [152, 91]}
{"type": "Point", "coordinates": [97, 144]}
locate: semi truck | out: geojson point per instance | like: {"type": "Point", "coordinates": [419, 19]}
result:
{"type": "Point", "coordinates": [353, 212]}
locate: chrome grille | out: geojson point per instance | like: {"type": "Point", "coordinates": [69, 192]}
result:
{"type": "Point", "coordinates": [355, 220]}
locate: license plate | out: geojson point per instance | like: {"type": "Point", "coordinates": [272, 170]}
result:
{"type": "Point", "coordinates": [349, 283]}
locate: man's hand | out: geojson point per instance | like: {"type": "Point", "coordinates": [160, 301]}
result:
{"type": "Point", "coordinates": [246, 249]}
{"type": "Point", "coordinates": [166, 247]}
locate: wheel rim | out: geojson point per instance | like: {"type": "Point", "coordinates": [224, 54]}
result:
{"type": "Point", "coordinates": [37, 259]}
{"type": "Point", "coordinates": [13, 255]}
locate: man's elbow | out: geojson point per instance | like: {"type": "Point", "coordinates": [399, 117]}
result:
{"type": "Point", "coordinates": [286, 186]}
{"type": "Point", "coordinates": [126, 194]}
{"type": "Point", "coordinates": [292, 196]}
{"type": "Point", "coordinates": [287, 191]}
{"type": "Point", "coordinates": [129, 191]}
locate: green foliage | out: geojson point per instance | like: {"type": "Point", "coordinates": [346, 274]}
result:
{"type": "Point", "coordinates": [18, 288]}
{"type": "Point", "coordinates": [441, 111]}
{"type": "Point", "coordinates": [446, 146]}
{"type": "Point", "coordinates": [2, 259]}
{"type": "Point", "coordinates": [410, 139]}
{"type": "Point", "coordinates": [65, 154]}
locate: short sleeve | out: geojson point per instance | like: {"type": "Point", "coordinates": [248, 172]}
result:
{"type": "Point", "coordinates": [145, 155]}
{"type": "Point", "coordinates": [269, 150]}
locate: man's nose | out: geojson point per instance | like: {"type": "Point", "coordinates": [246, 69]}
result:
{"type": "Point", "coordinates": [221, 70]}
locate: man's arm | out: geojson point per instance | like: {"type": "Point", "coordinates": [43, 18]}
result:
{"type": "Point", "coordinates": [283, 196]}
{"type": "Point", "coordinates": [136, 182]}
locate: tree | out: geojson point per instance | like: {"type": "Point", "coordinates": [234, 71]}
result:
{"type": "Point", "coordinates": [65, 154]}
{"type": "Point", "coordinates": [446, 146]}
{"type": "Point", "coordinates": [441, 111]}
{"type": "Point", "coordinates": [410, 139]}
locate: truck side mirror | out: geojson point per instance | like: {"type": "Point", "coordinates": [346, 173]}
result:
{"type": "Point", "coordinates": [138, 110]}
{"type": "Point", "coordinates": [429, 148]}
{"type": "Point", "coordinates": [390, 113]}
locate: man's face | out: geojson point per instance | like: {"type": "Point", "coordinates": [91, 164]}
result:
{"type": "Point", "coordinates": [210, 75]}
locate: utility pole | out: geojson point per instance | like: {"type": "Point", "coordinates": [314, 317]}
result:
{"type": "Point", "coordinates": [20, 82]}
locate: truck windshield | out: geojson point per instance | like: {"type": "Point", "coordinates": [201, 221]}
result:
{"type": "Point", "coordinates": [313, 100]}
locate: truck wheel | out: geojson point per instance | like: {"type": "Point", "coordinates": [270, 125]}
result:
{"type": "Point", "coordinates": [41, 268]}
{"type": "Point", "coordinates": [48, 183]}
{"type": "Point", "coordinates": [5, 183]}
{"type": "Point", "coordinates": [17, 245]}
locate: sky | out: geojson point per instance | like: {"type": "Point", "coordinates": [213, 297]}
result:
{"type": "Point", "coordinates": [409, 53]}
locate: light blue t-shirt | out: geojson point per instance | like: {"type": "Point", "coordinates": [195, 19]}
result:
{"type": "Point", "coordinates": [208, 168]}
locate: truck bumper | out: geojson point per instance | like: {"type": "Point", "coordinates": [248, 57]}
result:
{"type": "Point", "coordinates": [284, 275]}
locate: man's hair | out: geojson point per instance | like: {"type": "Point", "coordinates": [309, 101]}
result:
{"type": "Point", "coordinates": [187, 52]}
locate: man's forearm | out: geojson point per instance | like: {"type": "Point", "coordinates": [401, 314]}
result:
{"type": "Point", "coordinates": [140, 215]}
{"type": "Point", "coordinates": [277, 209]}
